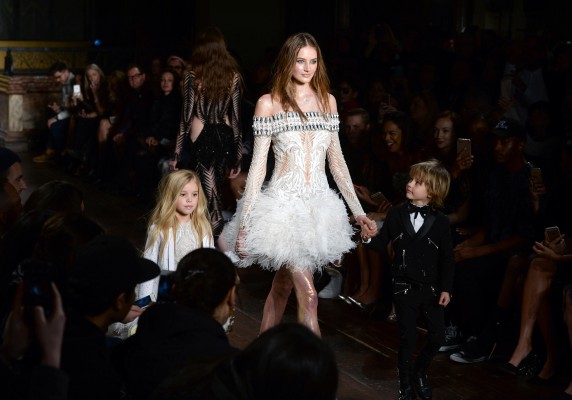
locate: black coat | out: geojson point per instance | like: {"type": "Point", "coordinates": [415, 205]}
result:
{"type": "Point", "coordinates": [425, 256]}
{"type": "Point", "coordinates": [168, 338]}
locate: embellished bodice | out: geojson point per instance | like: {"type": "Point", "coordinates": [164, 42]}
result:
{"type": "Point", "coordinates": [300, 147]}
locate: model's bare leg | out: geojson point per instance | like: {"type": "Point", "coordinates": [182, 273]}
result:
{"type": "Point", "coordinates": [277, 299]}
{"type": "Point", "coordinates": [307, 297]}
{"type": "Point", "coordinates": [536, 287]}
{"type": "Point", "coordinates": [364, 272]}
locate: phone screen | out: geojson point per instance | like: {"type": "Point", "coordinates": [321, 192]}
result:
{"type": "Point", "coordinates": [551, 233]}
{"type": "Point", "coordinates": [462, 144]}
{"type": "Point", "coordinates": [536, 174]}
{"type": "Point", "coordinates": [37, 288]}
{"type": "Point", "coordinates": [76, 89]}
{"type": "Point", "coordinates": [143, 302]}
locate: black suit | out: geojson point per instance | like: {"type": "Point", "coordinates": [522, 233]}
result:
{"type": "Point", "coordinates": [422, 268]}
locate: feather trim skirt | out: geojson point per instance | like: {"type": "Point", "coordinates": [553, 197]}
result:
{"type": "Point", "coordinates": [305, 233]}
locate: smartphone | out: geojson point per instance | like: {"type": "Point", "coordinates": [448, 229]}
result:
{"type": "Point", "coordinates": [379, 198]}
{"type": "Point", "coordinates": [37, 288]}
{"type": "Point", "coordinates": [463, 143]}
{"type": "Point", "coordinates": [165, 293]}
{"type": "Point", "coordinates": [551, 233]}
{"type": "Point", "coordinates": [536, 174]}
{"type": "Point", "coordinates": [76, 90]}
{"type": "Point", "coordinates": [143, 302]}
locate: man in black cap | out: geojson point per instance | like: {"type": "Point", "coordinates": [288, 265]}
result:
{"type": "Point", "coordinates": [506, 234]}
{"type": "Point", "coordinates": [101, 288]}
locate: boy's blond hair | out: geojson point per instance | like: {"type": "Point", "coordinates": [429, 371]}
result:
{"type": "Point", "coordinates": [436, 178]}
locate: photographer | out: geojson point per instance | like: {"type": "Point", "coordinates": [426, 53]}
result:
{"type": "Point", "coordinates": [20, 339]}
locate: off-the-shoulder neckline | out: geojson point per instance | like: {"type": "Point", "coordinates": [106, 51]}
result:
{"type": "Point", "coordinates": [307, 113]}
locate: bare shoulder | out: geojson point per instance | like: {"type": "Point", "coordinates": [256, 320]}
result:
{"type": "Point", "coordinates": [333, 104]}
{"type": "Point", "coordinates": [264, 106]}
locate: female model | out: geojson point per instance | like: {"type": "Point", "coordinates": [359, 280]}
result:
{"type": "Point", "coordinates": [211, 118]}
{"type": "Point", "coordinates": [297, 224]}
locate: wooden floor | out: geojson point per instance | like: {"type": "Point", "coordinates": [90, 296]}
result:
{"type": "Point", "coordinates": [365, 347]}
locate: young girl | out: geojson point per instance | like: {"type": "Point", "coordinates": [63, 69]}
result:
{"type": "Point", "coordinates": [179, 224]}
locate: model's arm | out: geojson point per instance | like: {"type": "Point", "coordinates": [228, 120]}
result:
{"type": "Point", "coordinates": [186, 113]}
{"type": "Point", "coordinates": [262, 128]}
{"type": "Point", "coordinates": [236, 94]}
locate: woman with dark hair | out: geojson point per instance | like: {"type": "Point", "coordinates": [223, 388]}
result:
{"type": "Point", "coordinates": [286, 362]}
{"type": "Point", "coordinates": [189, 332]}
{"type": "Point", "coordinates": [297, 225]}
{"type": "Point", "coordinates": [211, 119]}
{"type": "Point", "coordinates": [56, 196]}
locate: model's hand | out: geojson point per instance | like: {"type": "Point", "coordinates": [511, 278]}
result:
{"type": "Point", "coordinates": [444, 299]}
{"type": "Point", "coordinates": [233, 173]}
{"type": "Point", "coordinates": [240, 243]}
{"type": "Point", "coordinates": [368, 227]}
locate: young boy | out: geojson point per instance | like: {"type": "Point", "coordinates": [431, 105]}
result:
{"type": "Point", "coordinates": [422, 270]}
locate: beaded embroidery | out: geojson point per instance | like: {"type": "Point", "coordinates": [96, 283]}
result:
{"type": "Point", "coordinates": [291, 121]}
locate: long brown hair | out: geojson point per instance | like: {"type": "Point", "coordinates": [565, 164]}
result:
{"type": "Point", "coordinates": [282, 86]}
{"type": "Point", "coordinates": [213, 66]}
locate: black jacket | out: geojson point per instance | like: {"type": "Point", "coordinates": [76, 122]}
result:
{"type": "Point", "coordinates": [425, 256]}
{"type": "Point", "coordinates": [169, 337]}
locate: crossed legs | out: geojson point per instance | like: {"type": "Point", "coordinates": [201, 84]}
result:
{"type": "Point", "coordinates": [286, 279]}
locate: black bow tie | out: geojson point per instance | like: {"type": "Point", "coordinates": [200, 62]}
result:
{"type": "Point", "coordinates": [418, 210]}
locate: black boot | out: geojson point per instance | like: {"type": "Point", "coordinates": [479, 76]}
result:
{"type": "Point", "coordinates": [405, 387]}
{"type": "Point", "coordinates": [422, 385]}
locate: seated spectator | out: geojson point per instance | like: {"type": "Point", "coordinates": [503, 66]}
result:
{"type": "Point", "coordinates": [10, 206]}
{"type": "Point", "coordinates": [286, 362]}
{"type": "Point", "coordinates": [177, 65]}
{"type": "Point", "coordinates": [11, 170]}
{"type": "Point", "coordinates": [347, 96]}
{"type": "Point", "coordinates": [189, 332]}
{"type": "Point", "coordinates": [159, 139]}
{"type": "Point", "coordinates": [505, 236]}
{"type": "Point", "coordinates": [549, 265]}
{"type": "Point", "coordinates": [101, 286]}
{"type": "Point", "coordinates": [56, 196]}
{"type": "Point", "coordinates": [59, 114]}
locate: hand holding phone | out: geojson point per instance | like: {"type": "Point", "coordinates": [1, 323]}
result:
{"type": "Point", "coordinates": [76, 90]}
{"type": "Point", "coordinates": [464, 144]}
{"type": "Point", "coordinates": [536, 175]}
{"type": "Point", "coordinates": [143, 302]}
{"type": "Point", "coordinates": [551, 233]}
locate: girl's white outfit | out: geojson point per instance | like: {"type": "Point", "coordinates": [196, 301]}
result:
{"type": "Point", "coordinates": [296, 220]}
{"type": "Point", "coordinates": [174, 251]}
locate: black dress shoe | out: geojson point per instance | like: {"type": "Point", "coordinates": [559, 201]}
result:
{"type": "Point", "coordinates": [406, 391]}
{"type": "Point", "coordinates": [422, 386]}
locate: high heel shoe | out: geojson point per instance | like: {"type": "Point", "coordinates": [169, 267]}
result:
{"type": "Point", "coordinates": [357, 302]}
{"type": "Point", "coordinates": [344, 298]}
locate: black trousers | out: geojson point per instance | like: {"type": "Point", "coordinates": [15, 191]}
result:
{"type": "Point", "coordinates": [411, 303]}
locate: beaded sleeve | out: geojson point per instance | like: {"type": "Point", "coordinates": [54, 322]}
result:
{"type": "Point", "coordinates": [342, 177]}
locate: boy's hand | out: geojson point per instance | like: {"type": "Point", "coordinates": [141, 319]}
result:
{"type": "Point", "coordinates": [444, 299]}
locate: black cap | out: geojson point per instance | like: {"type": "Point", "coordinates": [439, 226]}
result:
{"type": "Point", "coordinates": [7, 158]}
{"type": "Point", "coordinates": [509, 127]}
{"type": "Point", "coordinates": [109, 265]}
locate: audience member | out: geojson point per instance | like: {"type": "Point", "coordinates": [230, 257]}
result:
{"type": "Point", "coordinates": [285, 362]}
{"type": "Point", "coordinates": [56, 195]}
{"type": "Point", "coordinates": [506, 234]}
{"type": "Point", "coordinates": [59, 114]}
{"type": "Point", "coordinates": [22, 337]}
{"type": "Point", "coordinates": [11, 170]}
{"type": "Point", "coordinates": [177, 65]}
{"type": "Point", "coordinates": [101, 286]}
{"type": "Point", "coordinates": [189, 333]}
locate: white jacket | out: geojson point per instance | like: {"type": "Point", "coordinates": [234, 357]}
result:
{"type": "Point", "coordinates": [166, 263]}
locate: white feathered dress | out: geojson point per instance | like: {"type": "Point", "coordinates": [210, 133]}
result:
{"type": "Point", "coordinates": [297, 219]}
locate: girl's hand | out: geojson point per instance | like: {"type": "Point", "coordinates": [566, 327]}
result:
{"type": "Point", "coordinates": [463, 161]}
{"type": "Point", "coordinates": [368, 227]}
{"type": "Point", "coordinates": [133, 313]}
